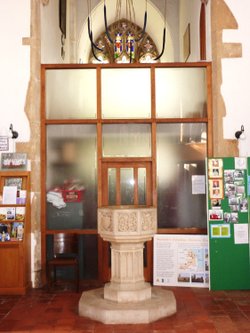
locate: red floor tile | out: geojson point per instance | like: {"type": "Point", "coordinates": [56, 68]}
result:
{"type": "Point", "coordinates": [198, 311]}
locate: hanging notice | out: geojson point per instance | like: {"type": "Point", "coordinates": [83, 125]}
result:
{"type": "Point", "coordinates": [198, 184]}
{"type": "Point", "coordinates": [181, 260]}
{"type": "Point", "coordinates": [241, 233]}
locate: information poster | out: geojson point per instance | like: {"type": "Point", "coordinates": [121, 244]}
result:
{"type": "Point", "coordinates": [181, 260]}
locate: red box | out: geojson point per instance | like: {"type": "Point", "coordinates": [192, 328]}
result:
{"type": "Point", "coordinates": [72, 195]}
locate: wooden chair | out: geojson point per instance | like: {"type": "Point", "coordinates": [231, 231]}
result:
{"type": "Point", "coordinates": [65, 249]}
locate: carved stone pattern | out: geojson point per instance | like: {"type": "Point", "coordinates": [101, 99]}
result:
{"type": "Point", "coordinates": [147, 221]}
{"type": "Point", "coordinates": [127, 222]}
{"type": "Point", "coordinates": [106, 222]}
{"type": "Point", "coordinates": [127, 266]}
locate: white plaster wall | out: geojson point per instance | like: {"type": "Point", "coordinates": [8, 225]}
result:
{"type": "Point", "coordinates": [235, 77]}
{"type": "Point", "coordinates": [188, 12]}
{"type": "Point", "coordinates": [51, 34]}
{"type": "Point", "coordinates": [14, 66]}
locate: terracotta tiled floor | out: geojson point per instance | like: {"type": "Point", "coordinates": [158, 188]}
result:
{"type": "Point", "coordinates": [198, 311]}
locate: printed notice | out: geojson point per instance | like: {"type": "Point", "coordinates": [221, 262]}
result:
{"type": "Point", "coordinates": [181, 260]}
{"type": "Point", "coordinates": [241, 233]}
{"type": "Point", "coordinates": [198, 185]}
{"type": "Point", "coordinates": [4, 143]}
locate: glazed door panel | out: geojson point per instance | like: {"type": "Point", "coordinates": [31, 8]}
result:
{"type": "Point", "coordinates": [126, 184]}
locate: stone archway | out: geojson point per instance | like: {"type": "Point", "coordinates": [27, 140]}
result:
{"type": "Point", "coordinates": [222, 18]}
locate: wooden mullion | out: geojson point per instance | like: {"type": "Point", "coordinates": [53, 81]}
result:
{"type": "Point", "coordinates": [153, 171]}
{"type": "Point", "coordinates": [99, 162]}
{"type": "Point", "coordinates": [153, 102]}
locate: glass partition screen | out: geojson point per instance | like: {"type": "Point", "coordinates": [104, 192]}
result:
{"type": "Point", "coordinates": [126, 93]}
{"type": "Point", "coordinates": [71, 177]}
{"type": "Point", "coordinates": [181, 92]}
{"type": "Point", "coordinates": [126, 140]}
{"type": "Point", "coordinates": [71, 94]}
{"type": "Point", "coordinates": [127, 186]}
{"type": "Point", "coordinates": [181, 154]}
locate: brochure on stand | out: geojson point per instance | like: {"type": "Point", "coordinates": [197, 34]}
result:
{"type": "Point", "coordinates": [9, 195]}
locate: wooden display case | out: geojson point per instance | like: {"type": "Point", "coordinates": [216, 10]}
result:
{"type": "Point", "coordinates": [15, 276]}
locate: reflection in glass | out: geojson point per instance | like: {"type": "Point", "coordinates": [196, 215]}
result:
{"type": "Point", "coordinates": [181, 153]}
{"type": "Point", "coordinates": [71, 176]}
{"type": "Point", "coordinates": [142, 186]}
{"type": "Point", "coordinates": [126, 93]}
{"type": "Point", "coordinates": [127, 186]}
{"type": "Point", "coordinates": [181, 92]}
{"type": "Point", "coordinates": [71, 93]}
{"type": "Point", "coordinates": [112, 186]}
{"type": "Point", "coordinates": [125, 140]}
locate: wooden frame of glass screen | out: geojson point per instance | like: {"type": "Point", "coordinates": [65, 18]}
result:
{"type": "Point", "coordinates": [102, 250]}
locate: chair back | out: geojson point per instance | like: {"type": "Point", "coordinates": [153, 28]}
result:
{"type": "Point", "coordinates": [65, 245]}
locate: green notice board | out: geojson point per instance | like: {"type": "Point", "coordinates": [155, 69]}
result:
{"type": "Point", "coordinates": [228, 223]}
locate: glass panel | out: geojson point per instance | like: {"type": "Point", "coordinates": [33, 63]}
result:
{"type": "Point", "coordinates": [71, 93]}
{"type": "Point", "coordinates": [112, 186]}
{"type": "Point", "coordinates": [87, 254]}
{"type": "Point", "coordinates": [181, 92]}
{"type": "Point", "coordinates": [142, 186]}
{"type": "Point", "coordinates": [127, 140]}
{"type": "Point", "coordinates": [126, 93]}
{"type": "Point", "coordinates": [181, 153]}
{"type": "Point", "coordinates": [71, 177]}
{"type": "Point", "coordinates": [127, 186]}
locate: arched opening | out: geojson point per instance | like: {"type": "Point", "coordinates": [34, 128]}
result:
{"type": "Point", "coordinates": [109, 104]}
{"type": "Point", "coordinates": [125, 46]}
{"type": "Point", "coordinates": [154, 29]}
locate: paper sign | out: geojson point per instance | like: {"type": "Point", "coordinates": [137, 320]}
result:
{"type": "Point", "coordinates": [241, 233]}
{"type": "Point", "coordinates": [198, 185]}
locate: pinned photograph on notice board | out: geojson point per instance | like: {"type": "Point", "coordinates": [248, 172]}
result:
{"type": "Point", "coordinates": [215, 166]}
{"type": "Point", "coordinates": [216, 188]}
{"type": "Point", "coordinates": [215, 214]}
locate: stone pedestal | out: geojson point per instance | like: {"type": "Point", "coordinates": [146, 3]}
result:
{"type": "Point", "coordinates": [127, 280]}
{"type": "Point", "coordinates": [127, 298]}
